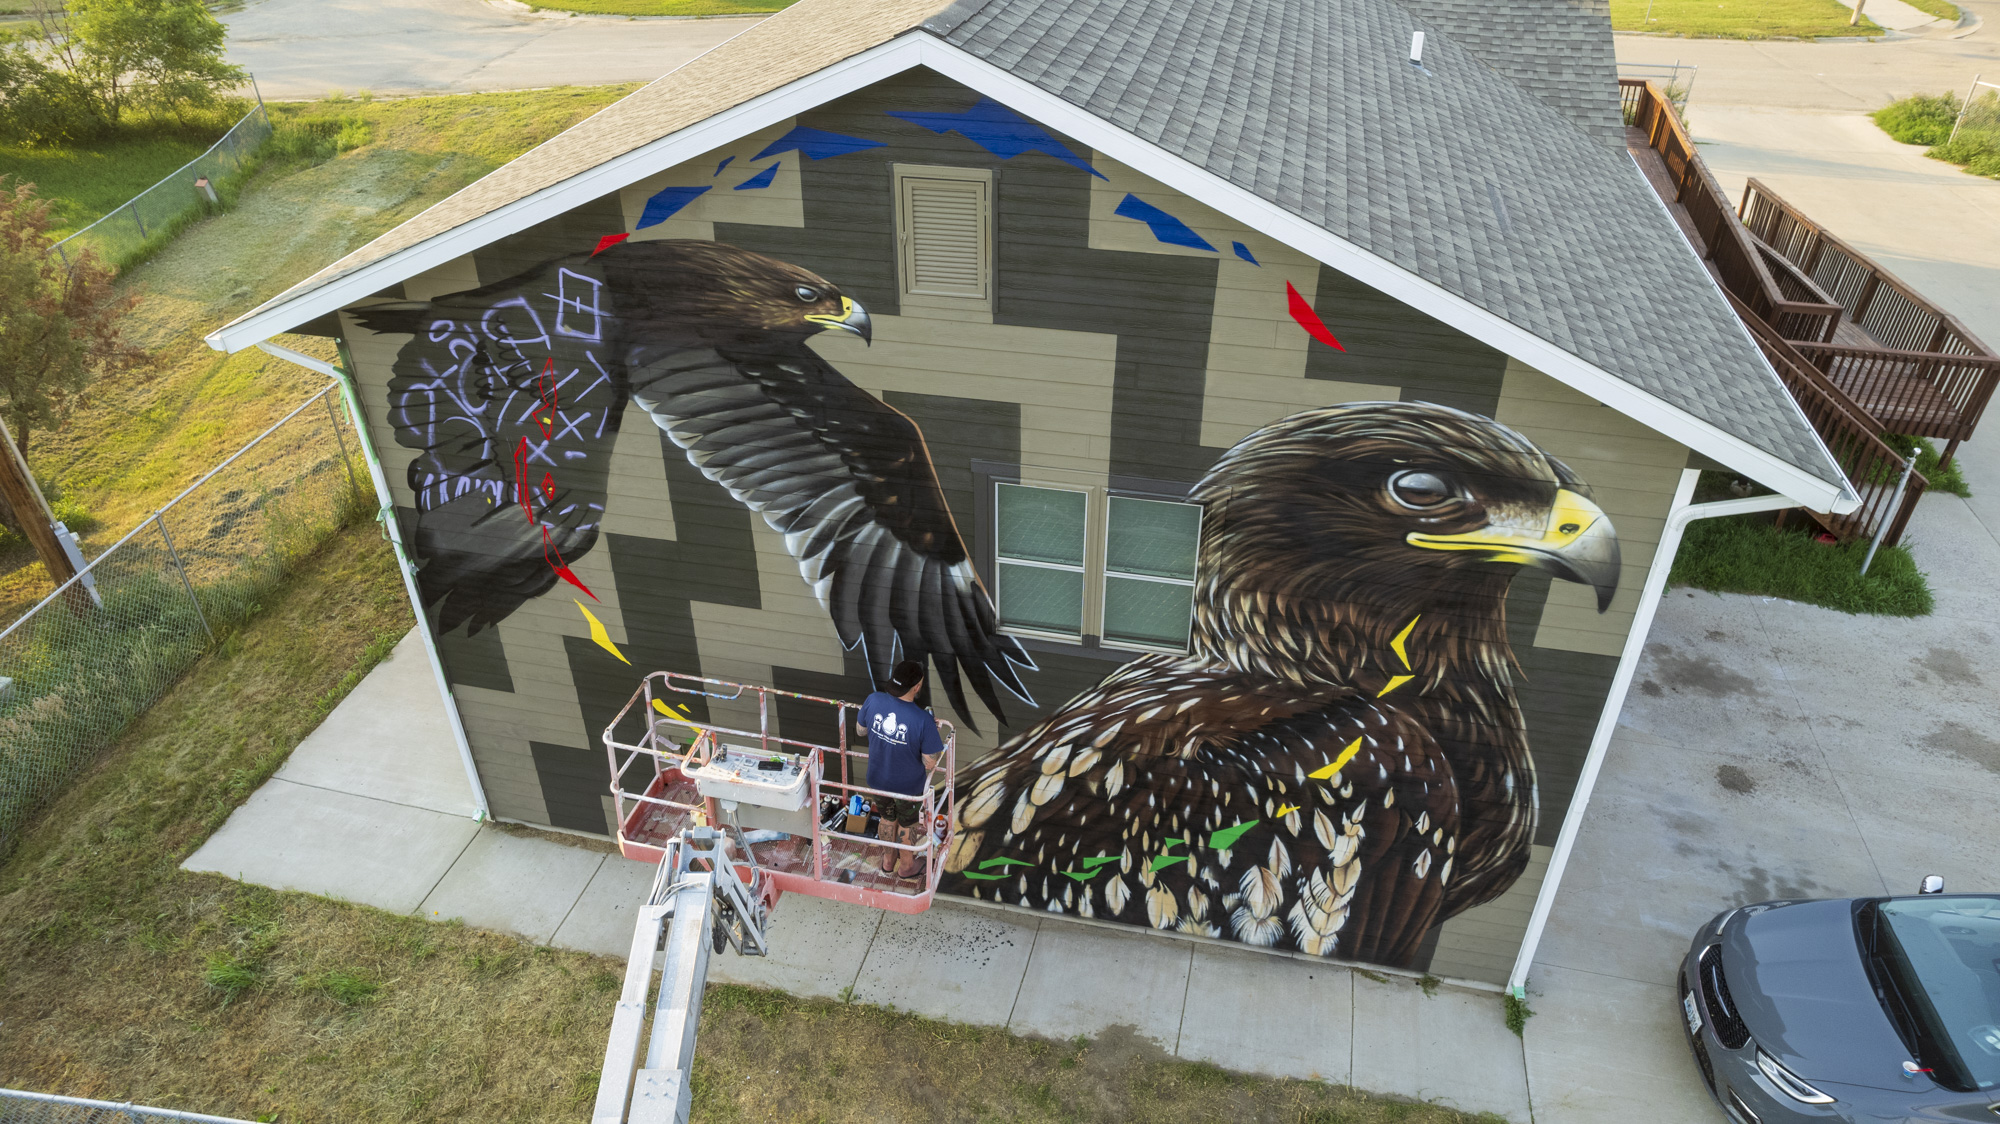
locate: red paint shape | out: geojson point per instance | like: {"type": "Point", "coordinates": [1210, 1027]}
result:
{"type": "Point", "coordinates": [608, 241]}
{"type": "Point", "coordinates": [521, 479]}
{"type": "Point", "coordinates": [548, 485]}
{"type": "Point", "coordinates": [1308, 319]}
{"type": "Point", "coordinates": [555, 560]}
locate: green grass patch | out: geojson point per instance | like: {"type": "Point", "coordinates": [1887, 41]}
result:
{"type": "Point", "coordinates": [87, 182]}
{"type": "Point", "coordinates": [1950, 479]}
{"type": "Point", "coordinates": [1739, 19]}
{"type": "Point", "coordinates": [1744, 554]}
{"type": "Point", "coordinates": [665, 7]}
{"type": "Point", "coordinates": [342, 985]}
{"type": "Point", "coordinates": [1928, 119]}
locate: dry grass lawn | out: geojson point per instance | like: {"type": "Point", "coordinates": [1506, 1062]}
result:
{"type": "Point", "coordinates": [123, 977]}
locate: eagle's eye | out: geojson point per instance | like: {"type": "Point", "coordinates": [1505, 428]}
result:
{"type": "Point", "coordinates": [806, 294]}
{"type": "Point", "coordinates": [1419, 491]}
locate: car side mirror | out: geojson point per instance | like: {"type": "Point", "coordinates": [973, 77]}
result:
{"type": "Point", "coordinates": [1932, 884]}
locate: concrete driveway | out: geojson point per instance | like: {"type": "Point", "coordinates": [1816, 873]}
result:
{"type": "Point", "coordinates": [303, 48]}
{"type": "Point", "coordinates": [1770, 749]}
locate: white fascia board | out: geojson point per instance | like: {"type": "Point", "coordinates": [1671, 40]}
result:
{"type": "Point", "coordinates": [1268, 218]}
{"type": "Point", "coordinates": [844, 77]}
{"type": "Point", "coordinates": [919, 48]}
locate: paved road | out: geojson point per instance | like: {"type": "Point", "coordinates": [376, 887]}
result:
{"type": "Point", "coordinates": [1855, 77]}
{"type": "Point", "coordinates": [303, 48]}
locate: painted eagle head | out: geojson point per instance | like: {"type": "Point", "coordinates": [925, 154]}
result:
{"type": "Point", "coordinates": [1328, 531]}
{"type": "Point", "coordinates": [716, 295]}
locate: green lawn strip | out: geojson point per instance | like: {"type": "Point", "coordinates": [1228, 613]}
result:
{"type": "Point", "coordinates": [1951, 479]}
{"type": "Point", "coordinates": [665, 7]}
{"type": "Point", "coordinates": [124, 977]}
{"type": "Point", "coordinates": [1747, 555]}
{"type": "Point", "coordinates": [1739, 19]}
{"type": "Point", "coordinates": [1942, 9]}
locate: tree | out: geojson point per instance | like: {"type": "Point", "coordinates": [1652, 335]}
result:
{"type": "Point", "coordinates": [84, 63]}
{"type": "Point", "coordinates": [60, 323]}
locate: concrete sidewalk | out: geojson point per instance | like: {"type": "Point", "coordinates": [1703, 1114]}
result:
{"type": "Point", "coordinates": [374, 808]}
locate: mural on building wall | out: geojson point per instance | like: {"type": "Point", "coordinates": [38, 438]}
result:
{"type": "Point", "coordinates": [514, 392]}
{"type": "Point", "coordinates": [1339, 763]}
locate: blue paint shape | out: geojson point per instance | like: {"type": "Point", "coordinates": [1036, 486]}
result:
{"type": "Point", "coordinates": [1243, 252]}
{"type": "Point", "coordinates": [1000, 131]}
{"type": "Point", "coordinates": [667, 203]}
{"type": "Point", "coordinates": [816, 144]}
{"type": "Point", "coordinates": [762, 179]}
{"type": "Point", "coordinates": [725, 163]}
{"type": "Point", "coordinates": [1166, 227]}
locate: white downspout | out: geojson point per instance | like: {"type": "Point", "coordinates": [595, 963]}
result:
{"type": "Point", "coordinates": [386, 512]}
{"type": "Point", "coordinates": [1679, 516]}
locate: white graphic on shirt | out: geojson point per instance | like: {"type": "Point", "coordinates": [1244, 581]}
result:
{"type": "Point", "coordinates": [889, 730]}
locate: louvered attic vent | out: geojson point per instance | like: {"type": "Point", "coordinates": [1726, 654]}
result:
{"type": "Point", "coordinates": [944, 229]}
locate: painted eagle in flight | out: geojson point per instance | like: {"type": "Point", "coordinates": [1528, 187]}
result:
{"type": "Point", "coordinates": [1339, 763]}
{"type": "Point", "coordinates": [512, 395]}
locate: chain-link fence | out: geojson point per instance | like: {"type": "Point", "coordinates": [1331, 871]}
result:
{"type": "Point", "coordinates": [1975, 133]}
{"type": "Point", "coordinates": [19, 1107]}
{"type": "Point", "coordinates": [93, 655]}
{"type": "Point", "coordinates": [158, 211]}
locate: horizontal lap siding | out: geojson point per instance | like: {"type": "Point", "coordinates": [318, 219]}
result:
{"type": "Point", "coordinates": [1104, 354]}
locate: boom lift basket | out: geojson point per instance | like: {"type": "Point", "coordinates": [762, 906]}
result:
{"type": "Point", "coordinates": [782, 801]}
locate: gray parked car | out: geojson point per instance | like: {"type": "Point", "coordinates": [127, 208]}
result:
{"type": "Point", "coordinates": [1863, 1009]}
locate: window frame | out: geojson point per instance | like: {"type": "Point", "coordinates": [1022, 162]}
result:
{"type": "Point", "coordinates": [1083, 571]}
{"type": "Point", "coordinates": [902, 174]}
{"type": "Point", "coordinates": [1105, 574]}
{"type": "Point", "coordinates": [988, 475]}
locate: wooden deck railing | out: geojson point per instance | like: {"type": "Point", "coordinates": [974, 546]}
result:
{"type": "Point", "coordinates": [1725, 244]}
{"type": "Point", "coordinates": [1931, 377]}
{"type": "Point", "coordinates": [1872, 466]}
{"type": "Point", "coordinates": [1875, 299]}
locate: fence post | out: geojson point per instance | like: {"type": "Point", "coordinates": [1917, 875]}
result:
{"type": "Point", "coordinates": [132, 205]}
{"type": "Point", "coordinates": [333, 417]}
{"type": "Point", "coordinates": [1903, 485]}
{"type": "Point", "coordinates": [160, 521]}
{"type": "Point", "coordinates": [1962, 107]}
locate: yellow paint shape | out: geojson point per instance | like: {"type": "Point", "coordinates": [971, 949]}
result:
{"type": "Point", "coordinates": [670, 711]}
{"type": "Point", "coordinates": [1333, 766]}
{"type": "Point", "coordinates": [1395, 681]}
{"type": "Point", "coordinates": [1403, 653]}
{"type": "Point", "coordinates": [601, 637]}
{"type": "Point", "coordinates": [1285, 811]}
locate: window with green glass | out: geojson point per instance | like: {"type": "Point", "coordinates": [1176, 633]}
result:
{"type": "Point", "coordinates": [1149, 553]}
{"type": "Point", "coordinates": [1071, 563]}
{"type": "Point", "coordinates": [1039, 557]}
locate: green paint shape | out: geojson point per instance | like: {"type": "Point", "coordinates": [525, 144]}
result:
{"type": "Point", "coordinates": [1100, 860]}
{"type": "Point", "coordinates": [1165, 861]}
{"type": "Point", "coordinates": [1224, 839]}
{"type": "Point", "coordinates": [1004, 861]}
{"type": "Point", "coordinates": [1080, 875]}
{"type": "Point", "coordinates": [983, 877]}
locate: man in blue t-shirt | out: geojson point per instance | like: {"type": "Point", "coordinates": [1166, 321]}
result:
{"type": "Point", "coordinates": [903, 745]}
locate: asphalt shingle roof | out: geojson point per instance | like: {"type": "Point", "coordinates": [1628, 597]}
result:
{"type": "Point", "coordinates": [1558, 50]}
{"type": "Point", "coordinates": [1314, 106]}
{"type": "Point", "coordinates": [1487, 172]}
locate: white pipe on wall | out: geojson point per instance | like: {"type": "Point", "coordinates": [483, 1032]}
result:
{"type": "Point", "coordinates": [1679, 516]}
{"type": "Point", "coordinates": [387, 512]}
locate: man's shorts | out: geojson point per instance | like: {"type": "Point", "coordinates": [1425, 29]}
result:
{"type": "Point", "coordinates": [903, 812]}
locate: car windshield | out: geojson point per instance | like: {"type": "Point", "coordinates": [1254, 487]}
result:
{"type": "Point", "coordinates": [1947, 951]}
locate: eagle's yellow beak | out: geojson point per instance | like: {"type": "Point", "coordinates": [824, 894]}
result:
{"type": "Point", "coordinates": [851, 318]}
{"type": "Point", "coordinates": [1578, 544]}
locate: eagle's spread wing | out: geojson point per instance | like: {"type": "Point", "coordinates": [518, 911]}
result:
{"type": "Point", "coordinates": [1173, 796]}
{"type": "Point", "coordinates": [847, 480]}
{"type": "Point", "coordinates": [510, 395]}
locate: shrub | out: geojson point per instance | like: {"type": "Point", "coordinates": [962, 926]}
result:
{"type": "Point", "coordinates": [314, 138]}
{"type": "Point", "coordinates": [1921, 119]}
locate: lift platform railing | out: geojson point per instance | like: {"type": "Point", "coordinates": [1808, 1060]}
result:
{"type": "Point", "coordinates": [652, 806]}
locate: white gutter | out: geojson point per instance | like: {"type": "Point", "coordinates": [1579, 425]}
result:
{"type": "Point", "coordinates": [1679, 516]}
{"type": "Point", "coordinates": [386, 512]}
